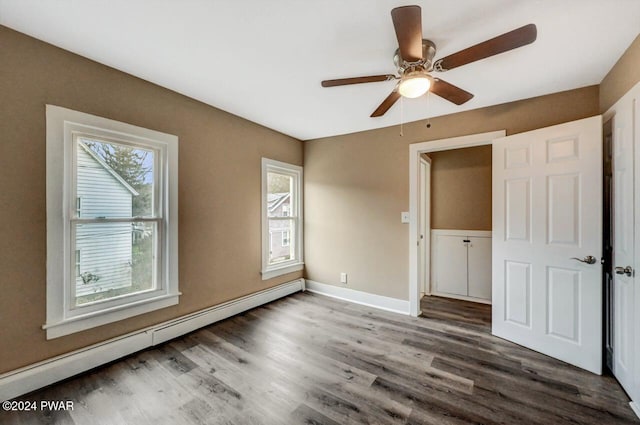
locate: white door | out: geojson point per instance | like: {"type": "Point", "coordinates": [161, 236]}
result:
{"type": "Point", "coordinates": [479, 267]}
{"type": "Point", "coordinates": [450, 268]}
{"type": "Point", "coordinates": [547, 216]}
{"type": "Point", "coordinates": [623, 245]}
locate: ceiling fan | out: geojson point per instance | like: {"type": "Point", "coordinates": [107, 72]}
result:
{"type": "Point", "coordinates": [414, 60]}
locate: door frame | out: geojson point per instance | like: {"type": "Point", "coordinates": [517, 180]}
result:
{"type": "Point", "coordinates": [415, 150]}
{"type": "Point", "coordinates": [424, 209]}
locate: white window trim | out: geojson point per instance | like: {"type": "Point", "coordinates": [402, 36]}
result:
{"type": "Point", "coordinates": [271, 271]}
{"type": "Point", "coordinates": [62, 124]}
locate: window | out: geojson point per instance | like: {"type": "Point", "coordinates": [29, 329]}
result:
{"type": "Point", "coordinates": [281, 218]}
{"type": "Point", "coordinates": [112, 202]}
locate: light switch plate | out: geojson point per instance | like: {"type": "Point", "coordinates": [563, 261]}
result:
{"type": "Point", "coordinates": [404, 217]}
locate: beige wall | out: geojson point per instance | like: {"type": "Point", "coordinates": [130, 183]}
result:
{"type": "Point", "coordinates": [219, 189]}
{"type": "Point", "coordinates": [356, 186]}
{"type": "Point", "coordinates": [461, 189]}
{"type": "Point", "coordinates": [622, 77]}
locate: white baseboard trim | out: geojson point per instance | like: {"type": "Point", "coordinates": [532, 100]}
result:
{"type": "Point", "coordinates": [371, 300]}
{"type": "Point", "coordinates": [41, 374]}
{"type": "Point", "coordinates": [190, 323]}
{"type": "Point", "coordinates": [635, 407]}
{"type": "Point", "coordinates": [459, 297]}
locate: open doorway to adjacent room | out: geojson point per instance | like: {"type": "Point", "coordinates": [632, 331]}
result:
{"type": "Point", "coordinates": [451, 200]}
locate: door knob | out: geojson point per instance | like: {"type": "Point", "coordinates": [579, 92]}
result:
{"type": "Point", "coordinates": [625, 270]}
{"type": "Point", "coordinates": [589, 259]}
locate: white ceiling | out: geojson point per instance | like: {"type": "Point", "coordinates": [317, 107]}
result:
{"type": "Point", "coordinates": [264, 60]}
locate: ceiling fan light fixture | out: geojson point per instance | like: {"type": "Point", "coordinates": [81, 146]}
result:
{"type": "Point", "coordinates": [414, 85]}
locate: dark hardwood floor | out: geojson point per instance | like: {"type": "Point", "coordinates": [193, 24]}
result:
{"type": "Point", "coordinates": [308, 359]}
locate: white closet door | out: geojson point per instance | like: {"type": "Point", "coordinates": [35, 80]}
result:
{"type": "Point", "coordinates": [450, 265]}
{"type": "Point", "coordinates": [479, 268]}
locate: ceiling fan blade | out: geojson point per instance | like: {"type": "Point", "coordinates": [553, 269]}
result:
{"type": "Point", "coordinates": [386, 104]}
{"type": "Point", "coordinates": [407, 21]}
{"type": "Point", "coordinates": [500, 44]}
{"type": "Point", "coordinates": [450, 92]}
{"type": "Point", "coordinates": [358, 80]}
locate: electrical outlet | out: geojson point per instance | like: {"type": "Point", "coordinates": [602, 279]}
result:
{"type": "Point", "coordinates": [343, 278]}
{"type": "Point", "coordinates": [404, 217]}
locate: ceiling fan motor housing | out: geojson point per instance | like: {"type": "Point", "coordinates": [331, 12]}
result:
{"type": "Point", "coordinates": [428, 52]}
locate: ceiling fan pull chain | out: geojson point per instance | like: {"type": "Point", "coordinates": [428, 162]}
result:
{"type": "Point", "coordinates": [428, 115]}
{"type": "Point", "coordinates": [401, 117]}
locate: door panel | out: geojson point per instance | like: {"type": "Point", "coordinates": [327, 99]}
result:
{"type": "Point", "coordinates": [517, 289]}
{"type": "Point", "coordinates": [563, 215]}
{"type": "Point", "coordinates": [479, 254]}
{"type": "Point", "coordinates": [547, 209]}
{"type": "Point", "coordinates": [518, 209]}
{"type": "Point", "coordinates": [563, 291]}
{"type": "Point", "coordinates": [622, 349]}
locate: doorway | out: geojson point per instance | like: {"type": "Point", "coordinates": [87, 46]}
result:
{"type": "Point", "coordinates": [459, 201]}
{"type": "Point", "coordinates": [547, 235]}
{"type": "Point", "coordinates": [423, 246]}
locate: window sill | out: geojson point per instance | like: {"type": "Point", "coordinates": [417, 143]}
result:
{"type": "Point", "coordinates": [102, 317]}
{"type": "Point", "coordinates": [270, 273]}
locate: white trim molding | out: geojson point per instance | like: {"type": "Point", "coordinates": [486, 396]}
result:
{"type": "Point", "coordinates": [279, 271]}
{"type": "Point", "coordinates": [635, 408]}
{"type": "Point", "coordinates": [381, 302]}
{"type": "Point", "coordinates": [41, 374]}
{"type": "Point", "coordinates": [459, 297]}
{"type": "Point", "coordinates": [415, 150]}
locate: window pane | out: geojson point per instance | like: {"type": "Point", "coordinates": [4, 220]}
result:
{"type": "Point", "coordinates": [78, 270]}
{"type": "Point", "coordinates": [113, 180]}
{"type": "Point", "coordinates": [117, 259]}
{"type": "Point", "coordinates": [281, 246]}
{"type": "Point", "coordinates": [279, 194]}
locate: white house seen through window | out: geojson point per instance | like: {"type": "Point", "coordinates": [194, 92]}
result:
{"type": "Point", "coordinates": [116, 183]}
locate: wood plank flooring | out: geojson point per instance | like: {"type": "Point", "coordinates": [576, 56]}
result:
{"type": "Point", "coordinates": [308, 359]}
